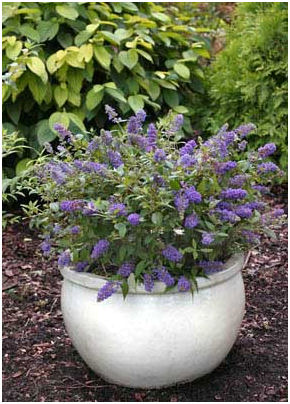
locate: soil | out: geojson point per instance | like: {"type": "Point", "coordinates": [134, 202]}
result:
{"type": "Point", "coordinates": [40, 363]}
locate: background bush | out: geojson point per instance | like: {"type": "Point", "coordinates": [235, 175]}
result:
{"type": "Point", "coordinates": [64, 61]}
{"type": "Point", "coordinates": [248, 80]}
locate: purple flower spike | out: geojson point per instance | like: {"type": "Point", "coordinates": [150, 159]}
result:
{"type": "Point", "coordinates": [134, 219]}
{"type": "Point", "coordinates": [141, 115]}
{"type": "Point", "coordinates": [64, 133]}
{"type": "Point", "coordinates": [183, 284]}
{"type": "Point", "coordinates": [100, 248]}
{"type": "Point", "coordinates": [80, 266]}
{"type": "Point", "coordinates": [267, 150]}
{"type": "Point", "coordinates": [152, 136]}
{"type": "Point", "coordinates": [164, 276]}
{"type": "Point", "coordinates": [181, 202]}
{"type": "Point", "coordinates": [148, 282]}
{"type": "Point", "coordinates": [159, 155]}
{"type": "Point", "coordinates": [207, 238]}
{"type": "Point", "coordinates": [71, 206]}
{"type": "Point", "coordinates": [172, 254]}
{"type": "Point", "coordinates": [115, 158]}
{"type": "Point", "coordinates": [107, 290]}
{"type": "Point", "coordinates": [45, 247]}
{"type": "Point", "coordinates": [233, 193]}
{"type": "Point", "coordinates": [112, 114]}
{"type": "Point", "coordinates": [191, 221]}
{"type": "Point", "coordinates": [126, 269]}
{"type": "Point", "coordinates": [75, 230]}
{"type": "Point", "coordinates": [188, 148]}
{"type": "Point", "coordinates": [267, 167]}
{"type": "Point", "coordinates": [192, 195]}
{"type": "Point", "coordinates": [118, 209]}
{"type": "Point", "coordinates": [64, 259]}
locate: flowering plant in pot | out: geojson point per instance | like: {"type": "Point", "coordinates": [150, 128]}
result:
{"type": "Point", "coordinates": [150, 236]}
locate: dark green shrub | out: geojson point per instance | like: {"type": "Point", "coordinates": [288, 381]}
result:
{"type": "Point", "coordinates": [64, 61]}
{"type": "Point", "coordinates": [248, 80]}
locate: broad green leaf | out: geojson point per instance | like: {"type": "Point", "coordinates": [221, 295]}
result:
{"type": "Point", "coordinates": [145, 55]}
{"type": "Point", "coordinates": [55, 61]}
{"type": "Point", "coordinates": [103, 56]}
{"type": "Point", "coordinates": [37, 88]}
{"type": "Point", "coordinates": [129, 58]}
{"type": "Point", "coordinates": [136, 102]}
{"type": "Point", "coordinates": [171, 97]}
{"type": "Point", "coordinates": [67, 11]}
{"type": "Point", "coordinates": [129, 6]}
{"type": "Point", "coordinates": [60, 95]}
{"type": "Point", "coordinates": [117, 94]}
{"type": "Point", "coordinates": [72, 58]}
{"type": "Point", "coordinates": [110, 37]}
{"type": "Point", "coordinates": [82, 37]}
{"type": "Point", "coordinates": [125, 288]}
{"type": "Point", "coordinates": [74, 97]}
{"type": "Point", "coordinates": [182, 70]}
{"type": "Point", "coordinates": [157, 218]}
{"type": "Point", "coordinates": [94, 98]}
{"type": "Point", "coordinates": [47, 30]}
{"type": "Point", "coordinates": [29, 32]}
{"type": "Point", "coordinates": [122, 229]}
{"type": "Point", "coordinates": [44, 133]}
{"type": "Point", "coordinates": [65, 39]}
{"type": "Point", "coordinates": [22, 165]}
{"type": "Point", "coordinates": [122, 33]}
{"type": "Point", "coordinates": [58, 117]}
{"type": "Point", "coordinates": [140, 268]}
{"type": "Point", "coordinates": [161, 17]}
{"type": "Point", "coordinates": [86, 52]}
{"type": "Point", "coordinates": [153, 90]}
{"type": "Point", "coordinates": [37, 66]}
{"type": "Point", "coordinates": [180, 109]}
{"type": "Point", "coordinates": [12, 51]}
{"type": "Point", "coordinates": [76, 120]}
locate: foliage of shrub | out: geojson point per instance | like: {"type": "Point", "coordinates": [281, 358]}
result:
{"type": "Point", "coordinates": [130, 203]}
{"type": "Point", "coordinates": [63, 61]}
{"type": "Point", "coordinates": [248, 79]}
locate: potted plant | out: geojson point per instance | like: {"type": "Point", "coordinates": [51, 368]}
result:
{"type": "Point", "coordinates": [150, 238]}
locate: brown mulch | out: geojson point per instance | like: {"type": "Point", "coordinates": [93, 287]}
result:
{"type": "Point", "coordinates": [40, 363]}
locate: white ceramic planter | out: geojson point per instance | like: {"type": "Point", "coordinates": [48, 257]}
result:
{"type": "Point", "coordinates": [154, 339]}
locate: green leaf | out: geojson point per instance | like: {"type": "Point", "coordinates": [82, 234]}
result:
{"type": "Point", "coordinates": [37, 88]}
{"type": "Point", "coordinates": [157, 218]}
{"type": "Point", "coordinates": [37, 66]}
{"type": "Point", "coordinates": [103, 56]}
{"type": "Point", "coordinates": [136, 102]}
{"type": "Point", "coordinates": [122, 33]}
{"type": "Point", "coordinates": [171, 97]}
{"type": "Point", "coordinates": [29, 32]}
{"type": "Point", "coordinates": [153, 90]}
{"type": "Point", "coordinates": [67, 12]}
{"type": "Point", "coordinates": [47, 30]}
{"type": "Point", "coordinates": [117, 94]}
{"type": "Point", "coordinates": [94, 98]}
{"type": "Point", "coordinates": [174, 184]}
{"type": "Point", "coordinates": [129, 58]}
{"type": "Point", "coordinates": [76, 120]}
{"type": "Point", "coordinates": [12, 51]}
{"type": "Point", "coordinates": [122, 229]}
{"type": "Point", "coordinates": [22, 165]}
{"type": "Point", "coordinates": [60, 95]}
{"type": "Point", "coordinates": [145, 55]}
{"type": "Point", "coordinates": [180, 109]}
{"type": "Point", "coordinates": [140, 268]}
{"type": "Point", "coordinates": [161, 17]}
{"type": "Point", "coordinates": [182, 70]}
{"type": "Point", "coordinates": [58, 117]}
{"type": "Point", "coordinates": [65, 39]}
{"type": "Point", "coordinates": [125, 288]}
{"type": "Point", "coordinates": [44, 133]}
{"type": "Point", "coordinates": [82, 37]}
{"type": "Point", "coordinates": [129, 6]}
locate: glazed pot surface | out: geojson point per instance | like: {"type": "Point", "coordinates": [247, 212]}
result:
{"type": "Point", "coordinates": [154, 339]}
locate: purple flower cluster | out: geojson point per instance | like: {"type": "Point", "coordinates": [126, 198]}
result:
{"type": "Point", "coordinates": [181, 202]}
{"type": "Point", "coordinates": [91, 167]}
{"type": "Point", "coordinates": [107, 290]}
{"type": "Point", "coordinates": [107, 138]}
{"type": "Point", "coordinates": [112, 114]}
{"type": "Point", "coordinates": [139, 140]}
{"type": "Point", "coordinates": [80, 266]}
{"type": "Point", "coordinates": [71, 206]}
{"type": "Point", "coordinates": [89, 209]}
{"type": "Point", "coordinates": [152, 136]}
{"type": "Point", "coordinates": [64, 259]}
{"type": "Point", "coordinates": [164, 276]}
{"type": "Point", "coordinates": [187, 161]}
{"type": "Point", "coordinates": [243, 211]}
{"type": "Point", "coordinates": [192, 195]}
{"type": "Point", "coordinates": [93, 145]}
{"type": "Point", "coordinates": [261, 188]}
{"type": "Point", "coordinates": [159, 155]}
{"type": "Point", "coordinates": [75, 230]}
{"type": "Point", "coordinates": [211, 267]}
{"type": "Point", "coordinates": [250, 236]}
{"type": "Point", "coordinates": [45, 247]}
{"type": "Point", "coordinates": [148, 282]}
{"type": "Point", "coordinates": [100, 248]}
{"type": "Point", "coordinates": [244, 130]}
{"type": "Point", "coordinates": [222, 168]}
{"type": "Point", "coordinates": [183, 284]}
{"type": "Point", "coordinates": [267, 150]}
{"type": "Point", "coordinates": [191, 221]}
{"type": "Point", "coordinates": [141, 115]}
{"type": "Point", "coordinates": [64, 133]}
{"type": "Point", "coordinates": [242, 145]}
{"type": "Point", "coordinates": [207, 238]}
{"type": "Point", "coordinates": [176, 124]}
{"type": "Point", "coordinates": [159, 180]}
{"type": "Point", "coordinates": [115, 158]}
{"type": "Point", "coordinates": [233, 193]}
{"type": "Point", "coordinates": [118, 209]}
{"type": "Point", "coordinates": [238, 180]}
{"type": "Point", "coordinates": [188, 148]}
{"type": "Point", "coordinates": [227, 215]}
{"type": "Point", "coordinates": [172, 254]}
{"type": "Point", "coordinates": [126, 269]}
{"type": "Point", "coordinates": [134, 219]}
{"type": "Point", "coordinates": [267, 167]}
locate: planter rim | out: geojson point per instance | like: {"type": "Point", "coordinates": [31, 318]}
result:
{"type": "Point", "coordinates": [92, 281]}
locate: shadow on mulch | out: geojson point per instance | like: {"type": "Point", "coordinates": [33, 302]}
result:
{"type": "Point", "coordinates": [40, 363]}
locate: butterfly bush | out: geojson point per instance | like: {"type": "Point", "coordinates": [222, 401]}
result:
{"type": "Point", "coordinates": [133, 204]}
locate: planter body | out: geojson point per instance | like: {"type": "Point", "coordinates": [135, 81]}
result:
{"type": "Point", "coordinates": [150, 340]}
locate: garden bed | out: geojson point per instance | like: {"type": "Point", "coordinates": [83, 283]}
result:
{"type": "Point", "coordinates": [40, 363]}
